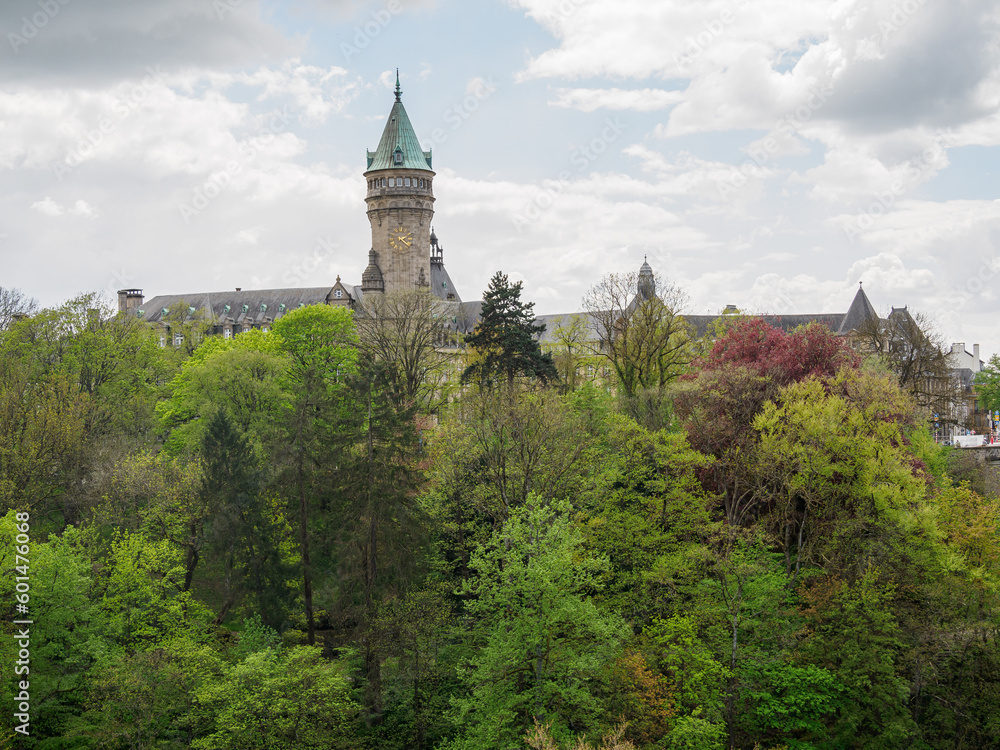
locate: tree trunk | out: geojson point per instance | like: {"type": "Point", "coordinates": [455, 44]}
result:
{"type": "Point", "coordinates": [304, 544]}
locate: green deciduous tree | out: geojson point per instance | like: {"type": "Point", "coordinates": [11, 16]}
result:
{"type": "Point", "coordinates": [242, 377]}
{"type": "Point", "coordinates": [294, 700]}
{"type": "Point", "coordinates": [544, 643]}
{"type": "Point", "coordinates": [321, 343]}
{"type": "Point", "coordinates": [640, 331]}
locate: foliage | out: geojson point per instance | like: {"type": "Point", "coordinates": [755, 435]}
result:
{"type": "Point", "coordinates": [241, 377]}
{"type": "Point", "coordinates": [505, 339]}
{"type": "Point", "coordinates": [640, 332]}
{"type": "Point", "coordinates": [291, 701]}
{"type": "Point", "coordinates": [987, 383]}
{"type": "Point", "coordinates": [799, 567]}
{"type": "Point", "coordinates": [404, 333]}
{"type": "Point", "coordinates": [914, 351]}
{"type": "Point", "coordinates": [544, 642]}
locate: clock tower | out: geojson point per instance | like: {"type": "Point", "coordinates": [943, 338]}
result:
{"type": "Point", "coordinates": [400, 207]}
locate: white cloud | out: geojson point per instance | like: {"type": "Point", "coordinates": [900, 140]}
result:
{"type": "Point", "coordinates": [48, 207]}
{"type": "Point", "coordinates": [641, 100]}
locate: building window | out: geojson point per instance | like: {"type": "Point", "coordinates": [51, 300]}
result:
{"type": "Point", "coordinates": [383, 182]}
{"type": "Point", "coordinates": [163, 341]}
{"type": "Point", "coordinates": [406, 181]}
{"type": "Point", "coordinates": [178, 339]}
{"type": "Point", "coordinates": [227, 333]}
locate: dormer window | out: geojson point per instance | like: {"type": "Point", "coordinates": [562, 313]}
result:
{"type": "Point", "coordinates": [246, 308]}
{"type": "Point", "coordinates": [263, 308]}
{"type": "Point", "coordinates": [281, 307]}
{"type": "Point", "coordinates": [397, 158]}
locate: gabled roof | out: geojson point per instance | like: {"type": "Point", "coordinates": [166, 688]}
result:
{"type": "Point", "coordinates": [398, 135]}
{"type": "Point", "coordinates": [859, 313]}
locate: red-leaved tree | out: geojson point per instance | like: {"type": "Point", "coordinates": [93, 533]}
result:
{"type": "Point", "coordinates": [745, 368]}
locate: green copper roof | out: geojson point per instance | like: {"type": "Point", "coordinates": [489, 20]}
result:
{"type": "Point", "coordinates": [399, 136]}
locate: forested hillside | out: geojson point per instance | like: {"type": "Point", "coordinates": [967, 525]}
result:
{"type": "Point", "coordinates": [323, 536]}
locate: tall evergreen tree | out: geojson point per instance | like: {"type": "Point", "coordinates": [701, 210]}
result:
{"type": "Point", "coordinates": [505, 338]}
{"type": "Point", "coordinates": [245, 534]}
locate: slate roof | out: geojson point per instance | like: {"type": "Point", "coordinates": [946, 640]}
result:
{"type": "Point", "coordinates": [860, 312]}
{"type": "Point", "coordinates": [260, 303]}
{"type": "Point", "coordinates": [441, 283]}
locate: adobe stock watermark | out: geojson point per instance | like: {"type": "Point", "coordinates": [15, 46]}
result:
{"type": "Point", "coordinates": [884, 200]}
{"type": "Point", "coordinates": [457, 114]}
{"type": "Point", "coordinates": [49, 9]}
{"type": "Point", "coordinates": [581, 158]}
{"type": "Point", "coordinates": [202, 195]}
{"type": "Point", "coordinates": [223, 8]}
{"type": "Point", "coordinates": [298, 273]}
{"type": "Point", "coordinates": [974, 285]}
{"type": "Point", "coordinates": [565, 9]}
{"type": "Point", "coordinates": [108, 124]}
{"type": "Point", "coordinates": [769, 146]}
{"type": "Point", "coordinates": [22, 638]}
{"type": "Point", "coordinates": [897, 19]}
{"type": "Point", "coordinates": [365, 34]}
{"type": "Point", "coordinates": [695, 46]}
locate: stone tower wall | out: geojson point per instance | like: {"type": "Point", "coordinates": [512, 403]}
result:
{"type": "Point", "coordinates": [411, 208]}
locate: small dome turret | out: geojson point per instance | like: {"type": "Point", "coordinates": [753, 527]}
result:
{"type": "Point", "coordinates": [646, 286]}
{"type": "Point", "coordinates": [371, 279]}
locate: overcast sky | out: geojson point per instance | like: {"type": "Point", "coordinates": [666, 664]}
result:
{"type": "Point", "coordinates": [764, 153]}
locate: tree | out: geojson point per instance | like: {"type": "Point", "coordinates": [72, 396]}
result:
{"type": "Point", "coordinates": [381, 521]}
{"type": "Point", "coordinates": [404, 333]}
{"type": "Point", "coordinates": [295, 700]}
{"type": "Point", "coordinates": [544, 641]}
{"type": "Point", "coordinates": [987, 383]}
{"type": "Point", "coordinates": [512, 443]}
{"type": "Point", "coordinates": [571, 349]}
{"type": "Point", "coordinates": [13, 304]}
{"type": "Point", "coordinates": [246, 530]}
{"type": "Point", "coordinates": [242, 377]}
{"type": "Point", "coordinates": [322, 343]}
{"type": "Point", "coordinates": [505, 340]}
{"type": "Point", "coordinates": [640, 330]}
{"type": "Point", "coordinates": [914, 352]}
{"type": "Point", "coordinates": [744, 370]}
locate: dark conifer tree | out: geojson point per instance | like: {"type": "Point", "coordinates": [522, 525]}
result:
{"type": "Point", "coordinates": [245, 535]}
{"type": "Point", "coordinates": [506, 338]}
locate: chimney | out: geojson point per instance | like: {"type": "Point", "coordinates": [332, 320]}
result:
{"type": "Point", "coordinates": [129, 300]}
{"type": "Point", "coordinates": [975, 355]}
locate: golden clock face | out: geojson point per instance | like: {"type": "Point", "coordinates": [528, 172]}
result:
{"type": "Point", "coordinates": [400, 239]}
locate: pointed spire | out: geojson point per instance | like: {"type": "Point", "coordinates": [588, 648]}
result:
{"type": "Point", "coordinates": [858, 314]}
{"type": "Point", "coordinates": [399, 91]}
